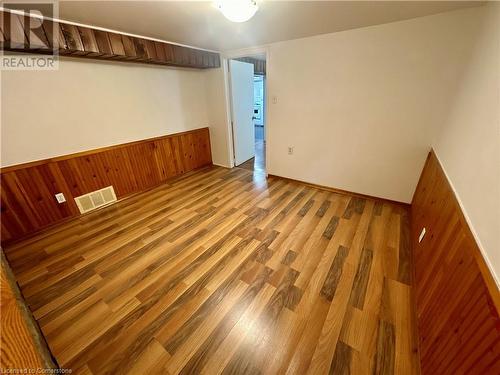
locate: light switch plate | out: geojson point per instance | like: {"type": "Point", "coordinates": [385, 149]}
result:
{"type": "Point", "coordinates": [60, 198]}
{"type": "Point", "coordinates": [422, 234]}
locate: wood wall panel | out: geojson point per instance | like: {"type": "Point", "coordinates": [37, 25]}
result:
{"type": "Point", "coordinates": [21, 342]}
{"type": "Point", "coordinates": [79, 41]}
{"type": "Point", "coordinates": [54, 35]}
{"type": "Point", "coordinates": [89, 41]}
{"type": "Point", "coordinates": [27, 196]}
{"type": "Point", "coordinates": [73, 40]}
{"type": "Point", "coordinates": [457, 299]}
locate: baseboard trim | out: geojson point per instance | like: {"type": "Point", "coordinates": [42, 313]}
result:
{"type": "Point", "coordinates": [341, 191]}
{"type": "Point", "coordinates": [222, 166]}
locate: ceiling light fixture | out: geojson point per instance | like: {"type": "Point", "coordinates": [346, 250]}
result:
{"type": "Point", "coordinates": [237, 10]}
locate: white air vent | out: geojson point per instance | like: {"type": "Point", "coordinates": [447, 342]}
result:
{"type": "Point", "coordinates": [95, 199]}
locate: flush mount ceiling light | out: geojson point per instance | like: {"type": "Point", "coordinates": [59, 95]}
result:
{"type": "Point", "coordinates": [237, 10]}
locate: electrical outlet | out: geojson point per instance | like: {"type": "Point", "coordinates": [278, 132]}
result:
{"type": "Point", "coordinates": [290, 150]}
{"type": "Point", "coordinates": [275, 100]}
{"type": "Point", "coordinates": [422, 234]}
{"type": "Point", "coordinates": [60, 198]}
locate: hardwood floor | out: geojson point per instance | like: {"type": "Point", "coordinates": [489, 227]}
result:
{"type": "Point", "coordinates": [221, 271]}
{"type": "Point", "coordinates": [257, 164]}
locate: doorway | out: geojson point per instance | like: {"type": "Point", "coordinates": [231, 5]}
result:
{"type": "Point", "coordinates": [248, 94]}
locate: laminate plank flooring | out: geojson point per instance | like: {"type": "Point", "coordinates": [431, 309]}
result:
{"type": "Point", "coordinates": [257, 164]}
{"type": "Point", "coordinates": [224, 272]}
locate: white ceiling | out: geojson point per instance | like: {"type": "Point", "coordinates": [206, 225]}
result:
{"type": "Point", "coordinates": [199, 24]}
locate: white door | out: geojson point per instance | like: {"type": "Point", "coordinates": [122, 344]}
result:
{"type": "Point", "coordinates": [241, 78]}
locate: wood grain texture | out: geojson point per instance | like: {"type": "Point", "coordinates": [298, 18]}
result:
{"type": "Point", "coordinates": [27, 197]}
{"type": "Point", "coordinates": [19, 348]}
{"type": "Point", "coordinates": [456, 296]}
{"type": "Point", "coordinates": [79, 41]}
{"type": "Point", "coordinates": [341, 191]}
{"type": "Point", "coordinates": [224, 271]}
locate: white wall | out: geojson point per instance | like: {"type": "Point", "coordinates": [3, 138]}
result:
{"type": "Point", "coordinates": [362, 107]}
{"type": "Point", "coordinates": [89, 104]}
{"type": "Point", "coordinates": [469, 143]}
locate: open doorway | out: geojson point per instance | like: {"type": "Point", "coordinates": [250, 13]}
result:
{"type": "Point", "coordinates": [248, 93]}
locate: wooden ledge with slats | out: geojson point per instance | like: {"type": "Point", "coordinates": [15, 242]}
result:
{"type": "Point", "coordinates": [80, 41]}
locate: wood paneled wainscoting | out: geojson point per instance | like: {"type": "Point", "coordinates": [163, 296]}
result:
{"type": "Point", "coordinates": [457, 299]}
{"type": "Point", "coordinates": [28, 201]}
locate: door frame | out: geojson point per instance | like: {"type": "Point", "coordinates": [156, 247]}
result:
{"type": "Point", "coordinates": [227, 85]}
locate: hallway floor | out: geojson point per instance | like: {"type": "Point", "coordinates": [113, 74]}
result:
{"type": "Point", "coordinates": [258, 163]}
